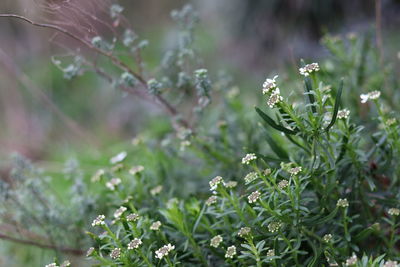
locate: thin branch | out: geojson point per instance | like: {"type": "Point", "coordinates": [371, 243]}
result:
{"type": "Point", "coordinates": [67, 250]}
{"type": "Point", "coordinates": [160, 99]}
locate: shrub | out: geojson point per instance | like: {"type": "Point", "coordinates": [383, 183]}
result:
{"type": "Point", "coordinates": [309, 183]}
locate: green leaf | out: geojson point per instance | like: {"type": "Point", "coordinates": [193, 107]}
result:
{"type": "Point", "coordinates": [311, 98]}
{"type": "Point", "coordinates": [272, 123]}
{"type": "Point", "coordinates": [336, 107]}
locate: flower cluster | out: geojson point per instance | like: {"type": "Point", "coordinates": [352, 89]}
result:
{"type": "Point", "coordinates": [342, 203]}
{"type": "Point", "coordinates": [250, 177]}
{"type": "Point", "coordinates": [253, 197]}
{"type": "Point", "coordinates": [230, 252]}
{"type": "Point", "coordinates": [113, 183]}
{"type": "Point", "coordinates": [164, 251]}
{"type": "Point", "coordinates": [371, 95]}
{"type": "Point", "coordinates": [308, 69]}
{"type": "Point", "coordinates": [216, 241]}
{"type": "Point", "coordinates": [99, 220]}
{"type": "Point", "coordinates": [135, 243]}
{"type": "Point", "coordinates": [269, 85]}
{"type": "Point", "coordinates": [215, 182]}
{"type": "Point", "coordinates": [343, 114]}
{"type": "Point", "coordinates": [249, 158]}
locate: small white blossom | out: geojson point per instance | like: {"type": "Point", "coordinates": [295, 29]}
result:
{"type": "Point", "coordinates": [184, 144]}
{"type": "Point", "coordinates": [270, 253]}
{"type": "Point", "coordinates": [267, 172]}
{"type": "Point", "coordinates": [115, 253]}
{"type": "Point", "coordinates": [97, 176]}
{"type": "Point", "coordinates": [136, 169]}
{"type": "Point", "coordinates": [119, 212]}
{"type": "Point", "coordinates": [250, 177]}
{"type": "Point", "coordinates": [371, 95]}
{"type": "Point", "coordinates": [113, 183]}
{"type": "Point", "coordinates": [118, 158]}
{"type": "Point", "coordinates": [132, 217]}
{"type": "Point", "coordinates": [164, 251]}
{"type": "Point", "coordinates": [295, 170]}
{"type": "Point", "coordinates": [230, 252]}
{"type": "Point", "coordinates": [352, 260]}
{"type": "Point", "coordinates": [274, 226]}
{"type": "Point", "coordinates": [90, 251]}
{"type": "Point", "coordinates": [343, 114]}
{"type": "Point", "coordinates": [391, 264]}
{"type": "Point", "coordinates": [244, 231]}
{"type": "Point", "coordinates": [99, 220]}
{"type": "Point", "coordinates": [211, 200]}
{"type": "Point", "coordinates": [308, 69]}
{"type": "Point", "coordinates": [156, 190]}
{"type": "Point", "coordinates": [253, 197]}
{"type": "Point", "coordinates": [135, 243]}
{"type": "Point", "coordinates": [343, 203]}
{"type": "Point", "coordinates": [155, 226]}
{"type": "Point", "coordinates": [65, 263]}
{"type": "Point", "coordinates": [394, 212]}
{"type": "Point", "coordinates": [249, 158]}
{"type": "Point", "coordinates": [327, 238]}
{"type": "Point", "coordinates": [275, 98]}
{"type": "Point", "coordinates": [215, 182]}
{"type": "Point", "coordinates": [215, 241]}
{"type": "Point", "coordinates": [269, 85]}
{"type": "Point", "coordinates": [52, 265]}
{"type": "Point", "coordinates": [282, 184]}
{"type": "Point", "coordinates": [231, 184]}
{"type": "Point", "coordinates": [391, 121]}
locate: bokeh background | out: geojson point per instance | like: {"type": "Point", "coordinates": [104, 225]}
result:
{"type": "Point", "coordinates": [48, 118]}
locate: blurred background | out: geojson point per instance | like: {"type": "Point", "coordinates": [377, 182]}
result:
{"type": "Point", "coordinates": [49, 118]}
{"type": "Point", "coordinates": [248, 38]}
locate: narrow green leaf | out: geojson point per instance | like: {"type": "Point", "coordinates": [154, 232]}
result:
{"type": "Point", "coordinates": [336, 107]}
{"type": "Point", "coordinates": [311, 98]}
{"type": "Point", "coordinates": [272, 123]}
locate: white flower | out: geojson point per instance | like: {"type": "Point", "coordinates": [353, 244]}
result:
{"type": "Point", "coordinates": [51, 265]}
{"type": "Point", "coordinates": [308, 69]}
{"type": "Point", "coordinates": [391, 264]}
{"type": "Point", "coordinates": [119, 212]}
{"type": "Point", "coordinates": [295, 170]}
{"type": "Point", "coordinates": [132, 217]}
{"type": "Point", "coordinates": [113, 183]}
{"type": "Point", "coordinates": [135, 243]}
{"type": "Point", "coordinates": [250, 177]}
{"type": "Point", "coordinates": [371, 95]}
{"type": "Point", "coordinates": [253, 197]}
{"type": "Point", "coordinates": [215, 241]}
{"type": "Point", "coordinates": [269, 84]}
{"type": "Point", "coordinates": [230, 252]}
{"type": "Point", "coordinates": [215, 182]}
{"type": "Point", "coordinates": [244, 231]}
{"type": "Point", "coordinates": [118, 158]}
{"type": "Point", "coordinates": [99, 220]}
{"type": "Point", "coordinates": [156, 190]}
{"type": "Point", "coordinates": [352, 260]}
{"type": "Point", "coordinates": [90, 251]}
{"type": "Point", "coordinates": [391, 121]}
{"type": "Point", "coordinates": [343, 114]}
{"type": "Point", "coordinates": [115, 253]}
{"type": "Point", "coordinates": [164, 251]}
{"type": "Point", "coordinates": [282, 184]}
{"type": "Point", "coordinates": [231, 184]}
{"type": "Point", "coordinates": [155, 226]}
{"type": "Point", "coordinates": [394, 212]}
{"type": "Point", "coordinates": [343, 203]}
{"type": "Point", "coordinates": [97, 176]}
{"type": "Point", "coordinates": [249, 158]}
{"type": "Point", "coordinates": [65, 263]}
{"type": "Point", "coordinates": [275, 98]}
{"type": "Point", "coordinates": [136, 169]}
{"type": "Point", "coordinates": [211, 200]}
{"type": "Point", "coordinates": [327, 238]}
{"type": "Point", "coordinates": [274, 226]}
{"type": "Point", "coordinates": [270, 253]}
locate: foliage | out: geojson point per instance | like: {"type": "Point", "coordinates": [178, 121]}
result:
{"type": "Point", "coordinates": [312, 181]}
